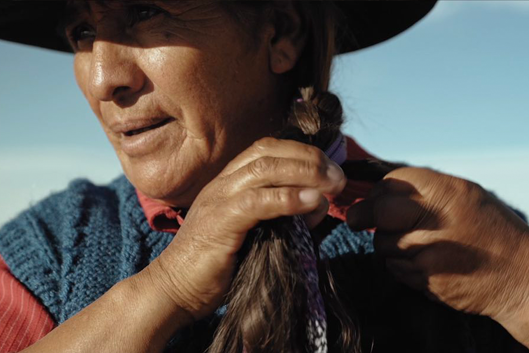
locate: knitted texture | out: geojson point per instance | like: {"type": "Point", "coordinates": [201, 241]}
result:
{"type": "Point", "coordinates": [72, 247]}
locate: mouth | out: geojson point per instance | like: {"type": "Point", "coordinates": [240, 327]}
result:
{"type": "Point", "coordinates": [145, 136]}
{"type": "Point", "coordinates": [143, 129]}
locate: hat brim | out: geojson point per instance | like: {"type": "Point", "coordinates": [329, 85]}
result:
{"type": "Point", "coordinates": [369, 22]}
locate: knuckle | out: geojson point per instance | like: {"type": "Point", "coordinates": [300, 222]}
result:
{"type": "Point", "coordinates": [247, 201]}
{"type": "Point", "coordinates": [264, 143]}
{"type": "Point", "coordinates": [262, 166]}
{"type": "Point", "coordinates": [473, 191]}
{"type": "Point", "coordinates": [458, 192]}
{"type": "Point", "coordinates": [461, 186]}
{"type": "Point", "coordinates": [286, 200]}
{"type": "Point", "coordinates": [311, 171]}
{"type": "Point", "coordinates": [316, 156]}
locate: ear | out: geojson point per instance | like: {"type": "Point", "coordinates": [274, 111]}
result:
{"type": "Point", "coordinates": [288, 36]}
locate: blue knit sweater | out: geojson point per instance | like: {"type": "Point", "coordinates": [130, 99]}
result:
{"type": "Point", "coordinates": [72, 247]}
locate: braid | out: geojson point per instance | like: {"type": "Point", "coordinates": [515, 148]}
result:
{"type": "Point", "coordinates": [319, 116]}
{"type": "Point", "coordinates": [267, 304]}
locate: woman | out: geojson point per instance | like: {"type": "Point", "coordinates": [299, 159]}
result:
{"type": "Point", "coordinates": [187, 93]}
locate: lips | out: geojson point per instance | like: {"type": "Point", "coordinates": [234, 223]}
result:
{"type": "Point", "coordinates": [147, 128]}
{"type": "Point", "coordinates": [134, 127]}
{"type": "Point", "coordinates": [139, 137]}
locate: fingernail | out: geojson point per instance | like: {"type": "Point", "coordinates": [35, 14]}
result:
{"type": "Point", "coordinates": [334, 173]}
{"type": "Point", "coordinates": [309, 196]}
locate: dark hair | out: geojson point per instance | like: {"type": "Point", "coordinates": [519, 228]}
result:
{"type": "Point", "coordinates": [267, 302]}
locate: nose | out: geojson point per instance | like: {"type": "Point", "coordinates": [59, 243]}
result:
{"type": "Point", "coordinates": [114, 73]}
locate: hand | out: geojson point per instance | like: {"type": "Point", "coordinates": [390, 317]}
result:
{"type": "Point", "coordinates": [272, 178]}
{"type": "Point", "coordinates": [453, 240]}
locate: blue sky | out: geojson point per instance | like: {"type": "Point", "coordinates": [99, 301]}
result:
{"type": "Point", "coordinates": [451, 94]}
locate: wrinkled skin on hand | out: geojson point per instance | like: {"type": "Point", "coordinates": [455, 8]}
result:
{"type": "Point", "coordinates": [453, 240]}
{"type": "Point", "coordinates": [270, 179]}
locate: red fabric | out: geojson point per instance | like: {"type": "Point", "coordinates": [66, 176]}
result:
{"type": "Point", "coordinates": [160, 217]}
{"type": "Point", "coordinates": [354, 191]}
{"type": "Point", "coordinates": [23, 320]}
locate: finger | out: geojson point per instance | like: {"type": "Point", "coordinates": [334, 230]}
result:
{"type": "Point", "coordinates": [315, 217]}
{"type": "Point", "coordinates": [387, 213]}
{"type": "Point", "coordinates": [246, 209]}
{"type": "Point", "coordinates": [372, 170]}
{"type": "Point", "coordinates": [414, 281]}
{"type": "Point", "coordinates": [402, 266]}
{"type": "Point", "coordinates": [392, 186]}
{"type": "Point", "coordinates": [400, 245]}
{"type": "Point", "coordinates": [404, 271]}
{"type": "Point", "coordinates": [272, 147]}
{"type": "Point", "coordinates": [279, 172]}
{"type": "Point", "coordinates": [361, 215]}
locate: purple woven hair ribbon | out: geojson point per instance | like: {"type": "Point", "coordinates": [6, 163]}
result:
{"type": "Point", "coordinates": [317, 317]}
{"type": "Point", "coordinates": [317, 321]}
{"type": "Point", "coordinates": [304, 250]}
{"type": "Point", "coordinates": [338, 150]}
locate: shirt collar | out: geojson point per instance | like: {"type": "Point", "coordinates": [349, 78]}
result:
{"type": "Point", "coordinates": [161, 217]}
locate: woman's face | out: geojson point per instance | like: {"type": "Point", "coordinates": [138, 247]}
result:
{"type": "Point", "coordinates": [176, 87]}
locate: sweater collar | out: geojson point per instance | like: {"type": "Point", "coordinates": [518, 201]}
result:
{"type": "Point", "coordinates": [166, 219]}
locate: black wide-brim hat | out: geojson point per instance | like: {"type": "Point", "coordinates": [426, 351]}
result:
{"type": "Point", "coordinates": [369, 21]}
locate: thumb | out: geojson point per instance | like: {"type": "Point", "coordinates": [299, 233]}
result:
{"type": "Point", "coordinates": [316, 217]}
{"type": "Point", "coordinates": [387, 213]}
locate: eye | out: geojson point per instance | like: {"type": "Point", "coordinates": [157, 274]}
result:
{"type": "Point", "coordinates": [81, 34]}
{"type": "Point", "coordinates": [139, 13]}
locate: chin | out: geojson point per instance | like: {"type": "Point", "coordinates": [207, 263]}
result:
{"type": "Point", "coordinates": [169, 179]}
{"type": "Point", "coordinates": [172, 189]}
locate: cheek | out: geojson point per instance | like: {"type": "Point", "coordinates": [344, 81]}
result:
{"type": "Point", "coordinates": [192, 84]}
{"type": "Point", "coordinates": [173, 70]}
